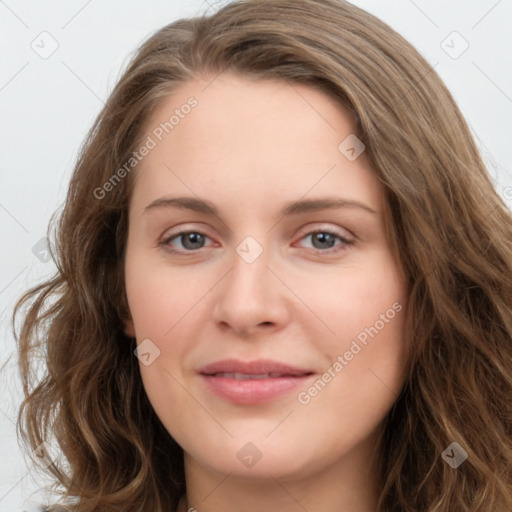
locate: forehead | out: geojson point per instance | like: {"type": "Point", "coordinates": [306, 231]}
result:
{"type": "Point", "coordinates": [247, 138]}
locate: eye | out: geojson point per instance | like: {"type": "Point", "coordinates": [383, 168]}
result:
{"type": "Point", "coordinates": [324, 239]}
{"type": "Point", "coordinates": [190, 241]}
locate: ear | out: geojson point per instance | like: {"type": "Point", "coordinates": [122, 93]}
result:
{"type": "Point", "coordinates": [129, 328]}
{"type": "Point", "coordinates": [125, 316]}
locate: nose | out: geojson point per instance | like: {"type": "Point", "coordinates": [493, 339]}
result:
{"type": "Point", "coordinates": [251, 298]}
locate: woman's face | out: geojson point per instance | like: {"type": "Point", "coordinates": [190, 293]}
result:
{"type": "Point", "coordinates": [272, 332]}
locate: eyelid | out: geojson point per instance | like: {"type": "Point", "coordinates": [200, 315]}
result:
{"type": "Point", "coordinates": [184, 228]}
{"type": "Point", "coordinates": [337, 230]}
{"type": "Point", "coordinates": [166, 238]}
{"type": "Point", "coordinates": [304, 231]}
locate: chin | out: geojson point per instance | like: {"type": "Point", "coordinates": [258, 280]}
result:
{"type": "Point", "coordinates": [259, 459]}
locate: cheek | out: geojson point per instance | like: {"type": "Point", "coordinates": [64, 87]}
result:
{"type": "Point", "coordinates": [164, 304]}
{"type": "Point", "coordinates": [162, 308]}
{"type": "Point", "coordinates": [360, 383]}
{"type": "Point", "coordinates": [160, 297]}
{"type": "Point", "coordinates": [365, 308]}
{"type": "Point", "coordinates": [356, 297]}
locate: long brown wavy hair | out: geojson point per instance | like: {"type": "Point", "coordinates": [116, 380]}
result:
{"type": "Point", "coordinates": [449, 229]}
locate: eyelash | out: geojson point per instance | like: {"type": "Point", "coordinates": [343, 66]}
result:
{"type": "Point", "coordinates": [168, 239]}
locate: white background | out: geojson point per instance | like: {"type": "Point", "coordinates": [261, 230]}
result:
{"type": "Point", "coordinates": [49, 104]}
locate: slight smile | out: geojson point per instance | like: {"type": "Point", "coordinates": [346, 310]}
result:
{"type": "Point", "coordinates": [252, 382]}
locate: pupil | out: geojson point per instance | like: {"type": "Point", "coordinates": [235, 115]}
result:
{"type": "Point", "coordinates": [195, 240]}
{"type": "Point", "coordinates": [325, 238]}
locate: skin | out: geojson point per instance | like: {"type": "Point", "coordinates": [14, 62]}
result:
{"type": "Point", "coordinates": [249, 147]}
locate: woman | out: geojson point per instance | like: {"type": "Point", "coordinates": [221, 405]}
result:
{"type": "Point", "coordinates": [210, 346]}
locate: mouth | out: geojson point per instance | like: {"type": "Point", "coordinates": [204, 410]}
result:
{"type": "Point", "coordinates": [253, 382]}
{"type": "Point", "coordinates": [249, 376]}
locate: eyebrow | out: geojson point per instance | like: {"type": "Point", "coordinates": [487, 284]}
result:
{"type": "Point", "coordinates": [290, 208]}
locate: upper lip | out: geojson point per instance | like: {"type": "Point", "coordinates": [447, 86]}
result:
{"type": "Point", "coordinates": [256, 367]}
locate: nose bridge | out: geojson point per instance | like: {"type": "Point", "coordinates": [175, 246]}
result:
{"type": "Point", "coordinates": [250, 250]}
{"type": "Point", "coordinates": [250, 267]}
{"type": "Point", "coordinates": [249, 295]}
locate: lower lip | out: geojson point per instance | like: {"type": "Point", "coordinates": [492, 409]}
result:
{"type": "Point", "coordinates": [253, 391]}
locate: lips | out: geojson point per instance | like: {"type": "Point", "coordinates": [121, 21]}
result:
{"type": "Point", "coordinates": [260, 368]}
{"type": "Point", "coordinates": [247, 376]}
{"type": "Point", "coordinates": [252, 382]}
